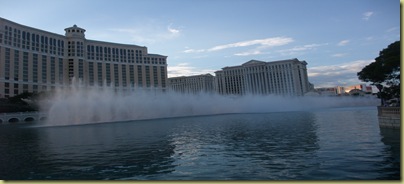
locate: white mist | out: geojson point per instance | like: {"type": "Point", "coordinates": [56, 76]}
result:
{"type": "Point", "coordinates": [83, 106]}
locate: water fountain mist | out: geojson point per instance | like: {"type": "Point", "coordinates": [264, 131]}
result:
{"type": "Point", "coordinates": [80, 105]}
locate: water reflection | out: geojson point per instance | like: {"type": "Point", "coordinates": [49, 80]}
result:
{"type": "Point", "coordinates": [19, 152]}
{"type": "Point", "coordinates": [244, 144]}
{"type": "Point", "coordinates": [339, 144]}
{"type": "Point", "coordinates": [104, 151]}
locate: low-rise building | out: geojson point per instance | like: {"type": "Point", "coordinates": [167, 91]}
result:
{"type": "Point", "coordinates": [192, 84]}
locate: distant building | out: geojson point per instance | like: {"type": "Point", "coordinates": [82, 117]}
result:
{"type": "Point", "coordinates": [330, 91]}
{"type": "Point", "coordinates": [192, 84]}
{"type": "Point", "coordinates": [361, 87]}
{"type": "Point", "coordinates": [356, 92]}
{"type": "Point", "coordinates": [33, 60]}
{"type": "Point", "coordinates": [285, 77]}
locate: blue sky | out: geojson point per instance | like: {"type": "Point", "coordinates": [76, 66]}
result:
{"type": "Point", "coordinates": [336, 38]}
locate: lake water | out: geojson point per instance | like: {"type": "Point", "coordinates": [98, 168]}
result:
{"type": "Point", "coordinates": [328, 144]}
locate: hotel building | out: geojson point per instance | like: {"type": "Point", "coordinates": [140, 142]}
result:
{"type": "Point", "coordinates": [192, 84]}
{"type": "Point", "coordinates": [33, 60]}
{"type": "Point", "coordinates": [285, 77]}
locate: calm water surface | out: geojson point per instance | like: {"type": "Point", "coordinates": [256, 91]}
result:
{"type": "Point", "coordinates": [330, 144]}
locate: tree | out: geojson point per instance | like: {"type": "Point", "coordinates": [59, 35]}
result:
{"type": "Point", "coordinates": [384, 73]}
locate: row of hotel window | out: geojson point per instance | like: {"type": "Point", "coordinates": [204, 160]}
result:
{"type": "Point", "coordinates": [45, 44]}
{"type": "Point", "coordinates": [32, 41]}
{"type": "Point", "coordinates": [260, 69]}
{"type": "Point", "coordinates": [264, 83]}
{"type": "Point", "coordinates": [44, 66]}
{"type": "Point", "coordinates": [91, 68]}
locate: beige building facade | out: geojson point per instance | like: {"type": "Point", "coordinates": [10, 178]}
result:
{"type": "Point", "coordinates": [192, 84]}
{"type": "Point", "coordinates": [33, 60]}
{"type": "Point", "coordinates": [285, 77]}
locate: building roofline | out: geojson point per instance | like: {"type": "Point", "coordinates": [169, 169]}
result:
{"type": "Point", "coordinates": [158, 55]}
{"type": "Point", "coordinates": [255, 62]}
{"type": "Point", "coordinates": [61, 35]}
{"type": "Point", "coordinates": [183, 76]}
{"type": "Point", "coordinates": [121, 44]}
{"type": "Point", "coordinates": [36, 29]}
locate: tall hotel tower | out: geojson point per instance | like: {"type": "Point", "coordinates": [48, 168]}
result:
{"type": "Point", "coordinates": [285, 77]}
{"type": "Point", "coordinates": [33, 60]}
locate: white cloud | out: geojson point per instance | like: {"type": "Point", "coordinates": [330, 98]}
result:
{"type": "Point", "coordinates": [268, 42]}
{"type": "Point", "coordinates": [343, 42]}
{"type": "Point", "coordinates": [184, 69]}
{"type": "Point", "coordinates": [172, 30]}
{"type": "Point", "coordinates": [262, 43]}
{"type": "Point", "coordinates": [339, 55]}
{"type": "Point", "coordinates": [300, 49]}
{"type": "Point", "coordinates": [334, 70]}
{"type": "Point", "coordinates": [367, 15]}
{"type": "Point", "coordinates": [255, 52]}
{"type": "Point", "coordinates": [333, 75]}
{"type": "Point", "coordinates": [194, 50]}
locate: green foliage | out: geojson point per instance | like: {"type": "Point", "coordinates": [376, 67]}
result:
{"type": "Point", "coordinates": [385, 72]}
{"type": "Point", "coordinates": [19, 103]}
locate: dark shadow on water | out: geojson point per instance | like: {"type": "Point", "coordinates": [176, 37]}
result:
{"type": "Point", "coordinates": [392, 139]}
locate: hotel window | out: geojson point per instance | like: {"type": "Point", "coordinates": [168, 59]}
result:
{"type": "Point", "coordinates": [91, 73]}
{"type": "Point", "coordinates": [44, 69]}
{"type": "Point", "coordinates": [60, 47]}
{"type": "Point", "coordinates": [132, 74]}
{"type": "Point", "coordinates": [124, 75]}
{"type": "Point", "coordinates": [7, 64]}
{"type": "Point", "coordinates": [23, 39]}
{"type": "Point", "coordinates": [81, 69]}
{"type": "Point", "coordinates": [116, 75]}
{"type": "Point", "coordinates": [99, 74]}
{"type": "Point", "coordinates": [101, 54]}
{"type": "Point", "coordinates": [35, 68]}
{"type": "Point", "coordinates": [25, 67]}
{"type": "Point", "coordinates": [155, 78]}
{"type": "Point", "coordinates": [37, 43]}
{"type": "Point", "coordinates": [71, 68]}
{"type": "Point", "coordinates": [16, 64]}
{"type": "Point", "coordinates": [52, 68]}
{"type": "Point", "coordinates": [105, 54]}
{"type": "Point", "coordinates": [108, 73]}
{"type": "Point", "coordinates": [60, 65]}
{"type": "Point", "coordinates": [88, 52]}
{"type": "Point", "coordinates": [147, 76]}
{"type": "Point", "coordinates": [97, 53]}
{"type": "Point", "coordinates": [109, 54]}
{"type": "Point", "coordinates": [139, 76]}
{"type": "Point", "coordinates": [80, 49]}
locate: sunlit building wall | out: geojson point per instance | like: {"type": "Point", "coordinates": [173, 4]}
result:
{"type": "Point", "coordinates": [285, 77]}
{"type": "Point", "coordinates": [361, 87]}
{"type": "Point", "coordinates": [33, 60]}
{"type": "Point", "coordinates": [192, 84]}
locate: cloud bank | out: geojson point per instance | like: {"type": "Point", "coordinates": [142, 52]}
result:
{"type": "Point", "coordinates": [341, 74]}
